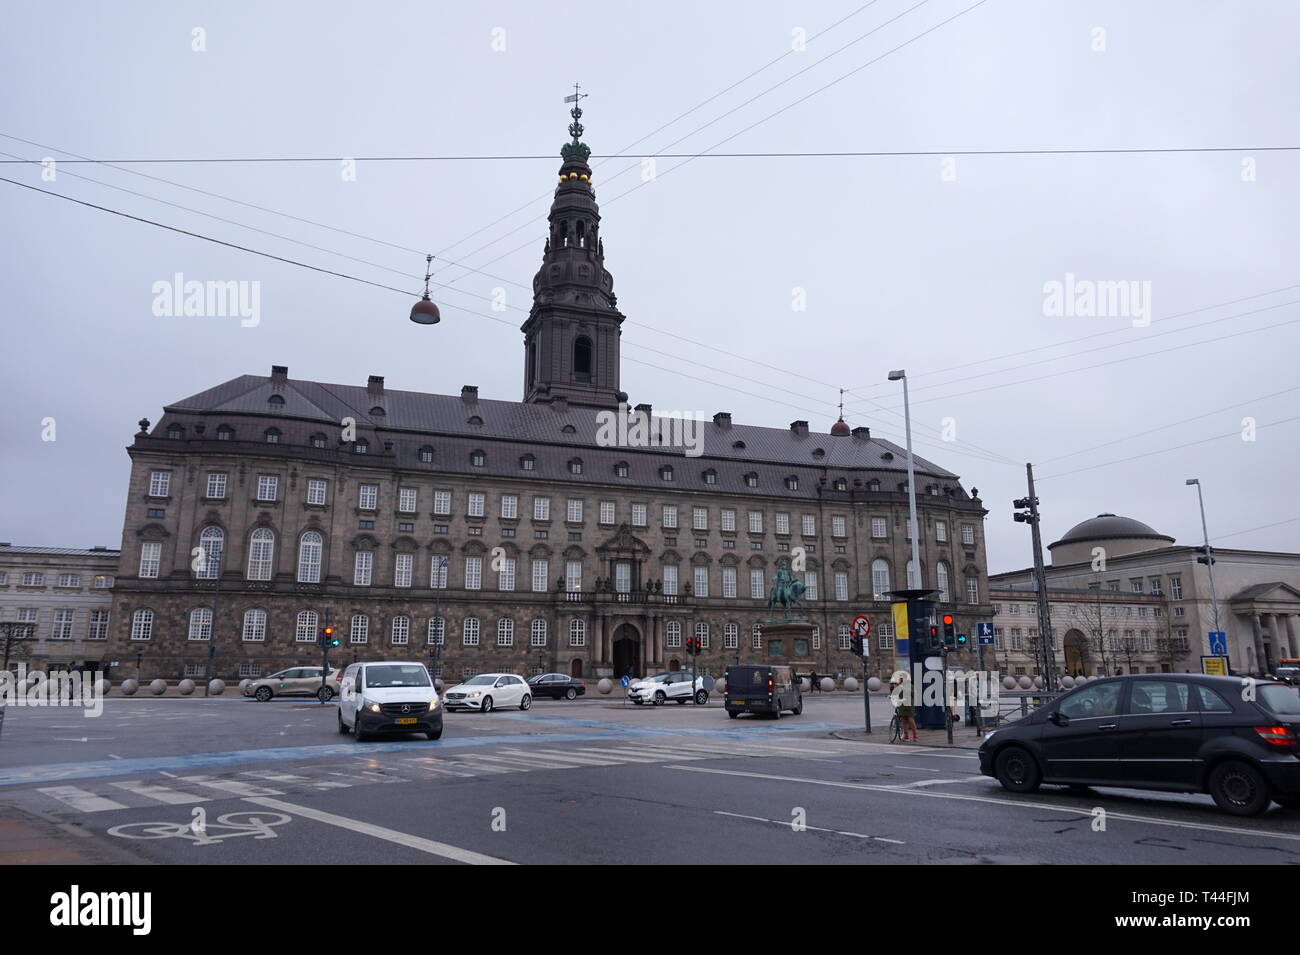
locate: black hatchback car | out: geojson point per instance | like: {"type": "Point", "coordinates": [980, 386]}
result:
{"type": "Point", "coordinates": [557, 686]}
{"type": "Point", "coordinates": [1235, 738]}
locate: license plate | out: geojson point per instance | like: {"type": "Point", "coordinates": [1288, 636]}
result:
{"type": "Point", "coordinates": [737, 702]}
{"type": "Point", "coordinates": [407, 721]}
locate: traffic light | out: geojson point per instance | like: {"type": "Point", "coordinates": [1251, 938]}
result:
{"type": "Point", "coordinates": [1207, 555]}
{"type": "Point", "coordinates": [1026, 514]}
{"type": "Point", "coordinates": [961, 639]}
{"type": "Point", "coordinates": [934, 638]}
{"type": "Point", "coordinates": [327, 638]}
{"type": "Point", "coordinates": [855, 644]}
{"type": "Point", "coordinates": [949, 631]}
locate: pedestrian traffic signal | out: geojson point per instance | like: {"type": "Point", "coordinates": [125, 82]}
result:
{"type": "Point", "coordinates": [934, 637]}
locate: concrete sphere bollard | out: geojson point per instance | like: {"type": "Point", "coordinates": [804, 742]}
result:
{"type": "Point", "coordinates": [438, 684]}
{"type": "Point", "coordinates": [605, 686]}
{"type": "Point", "coordinates": [827, 685]}
{"type": "Point", "coordinates": [243, 685]}
{"type": "Point", "coordinates": [874, 684]}
{"type": "Point", "coordinates": [850, 683]}
{"type": "Point", "coordinates": [1067, 682]}
{"type": "Point", "coordinates": [720, 686]}
{"type": "Point", "coordinates": [129, 687]}
{"type": "Point", "coordinates": [1038, 682]}
{"type": "Point", "coordinates": [216, 687]}
{"type": "Point", "coordinates": [1009, 683]}
{"type": "Point", "coordinates": [185, 687]}
{"type": "Point", "coordinates": [1025, 683]}
{"type": "Point", "coordinates": [102, 687]}
{"type": "Point", "coordinates": [158, 687]}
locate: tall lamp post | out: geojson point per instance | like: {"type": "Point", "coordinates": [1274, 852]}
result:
{"type": "Point", "coordinates": [1209, 558]}
{"type": "Point", "coordinates": [901, 375]}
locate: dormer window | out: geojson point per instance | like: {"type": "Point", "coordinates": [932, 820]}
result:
{"type": "Point", "coordinates": [621, 469]}
{"type": "Point", "coordinates": [276, 400]}
{"type": "Point", "coordinates": [377, 412]}
{"type": "Point", "coordinates": [575, 466]}
{"type": "Point", "coordinates": [175, 432]}
{"type": "Point", "coordinates": [738, 445]}
{"type": "Point", "coordinates": [666, 473]}
{"type": "Point", "coordinates": [792, 483]}
{"type": "Point", "coordinates": [873, 484]}
{"type": "Point", "coordinates": [887, 456]}
{"type": "Point", "coordinates": [841, 484]}
{"type": "Point", "coordinates": [710, 476]}
{"type": "Point", "coordinates": [318, 440]}
{"type": "Point", "coordinates": [426, 455]}
{"type": "Point", "coordinates": [819, 453]}
{"type": "Point", "coordinates": [478, 459]}
{"type": "Point", "coordinates": [751, 479]}
{"type": "Point", "coordinates": [568, 429]}
{"type": "Point", "coordinates": [528, 462]}
{"type": "Point", "coordinates": [225, 433]}
{"type": "Point", "coordinates": [362, 446]}
{"type": "Point", "coordinates": [272, 435]}
{"type": "Point", "coordinates": [934, 490]}
{"type": "Point", "coordinates": [475, 421]}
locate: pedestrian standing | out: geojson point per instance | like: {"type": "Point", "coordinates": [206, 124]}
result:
{"type": "Point", "coordinates": [812, 682]}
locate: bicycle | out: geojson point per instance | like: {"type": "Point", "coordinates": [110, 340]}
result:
{"type": "Point", "coordinates": [895, 729]}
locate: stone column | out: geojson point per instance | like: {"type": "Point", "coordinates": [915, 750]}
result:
{"type": "Point", "coordinates": [1259, 643]}
{"type": "Point", "coordinates": [651, 641]}
{"type": "Point", "coordinates": [598, 643]}
{"type": "Point", "coordinates": [1293, 639]}
{"type": "Point", "coordinates": [1282, 636]}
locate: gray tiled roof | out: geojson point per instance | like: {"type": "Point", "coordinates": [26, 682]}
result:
{"type": "Point", "coordinates": [311, 406]}
{"type": "Point", "coordinates": [59, 551]}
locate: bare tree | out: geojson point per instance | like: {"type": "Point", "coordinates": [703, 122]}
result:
{"type": "Point", "coordinates": [12, 636]}
{"type": "Point", "coordinates": [1170, 648]}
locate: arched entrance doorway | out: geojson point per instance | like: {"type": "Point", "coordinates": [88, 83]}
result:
{"type": "Point", "coordinates": [575, 667]}
{"type": "Point", "coordinates": [626, 655]}
{"type": "Point", "coordinates": [1075, 654]}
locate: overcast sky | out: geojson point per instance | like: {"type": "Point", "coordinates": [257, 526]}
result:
{"type": "Point", "coordinates": [913, 262]}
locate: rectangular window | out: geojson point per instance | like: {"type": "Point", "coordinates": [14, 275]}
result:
{"type": "Point", "coordinates": [436, 634]}
{"type": "Point", "coordinates": [406, 500]}
{"type": "Point", "coordinates": [756, 637]}
{"type": "Point", "coordinates": [1176, 588]}
{"type": "Point", "coordinates": [885, 637]}
{"type": "Point", "coordinates": [810, 584]}
{"type": "Point", "coordinates": [509, 506]}
{"type": "Point", "coordinates": [729, 581]}
{"type": "Point", "coordinates": [783, 523]}
{"type": "Point", "coordinates": [360, 631]}
{"type": "Point", "coordinates": [438, 572]}
{"type": "Point", "coordinates": [98, 625]}
{"type": "Point", "coordinates": [731, 636]}
{"type": "Point", "coordinates": [505, 632]}
{"type": "Point", "coordinates": [150, 559]}
{"type": "Point", "coordinates": [968, 534]}
{"type": "Point", "coordinates": [699, 518]}
{"type": "Point", "coordinates": [809, 525]}
{"type": "Point", "coordinates": [470, 632]}
{"type": "Point", "coordinates": [573, 575]}
{"type": "Point", "coordinates": [362, 568]}
{"type": "Point", "coordinates": [477, 505]}
{"type": "Point", "coordinates": [268, 487]}
{"type": "Point", "coordinates": [756, 522]}
{"type": "Point", "coordinates": [160, 483]}
{"type": "Point", "coordinates": [701, 581]}
{"type": "Point", "coordinates": [607, 512]}
{"type": "Point", "coordinates": [638, 515]}
{"type": "Point", "coordinates": [702, 634]}
{"type": "Point", "coordinates": [255, 626]}
{"type": "Point", "coordinates": [728, 519]}
{"type": "Point", "coordinates": [1155, 586]}
{"type": "Point", "coordinates": [217, 485]}
{"type": "Point", "coordinates": [69, 580]}
{"type": "Point", "coordinates": [839, 527]}
{"type": "Point", "coordinates": [541, 574]}
{"type": "Point", "coordinates": [537, 634]}
{"type": "Point", "coordinates": [368, 497]}
{"type": "Point", "coordinates": [401, 631]}
{"type": "Point", "coordinates": [573, 510]}
{"type": "Point", "coordinates": [441, 502]}
{"type": "Point", "coordinates": [941, 531]}
{"type": "Point", "coordinates": [316, 492]}
{"type": "Point", "coordinates": [38, 580]}
{"type": "Point", "coordinates": [673, 634]}
{"type": "Point", "coordinates": [841, 585]}
{"type": "Point", "coordinates": [670, 516]}
{"type": "Point", "coordinates": [403, 565]}
{"type": "Point", "coordinates": [972, 590]}
{"type": "Point", "coordinates": [756, 589]}
{"type": "Point", "coordinates": [670, 580]}
{"type": "Point", "coordinates": [541, 508]}
{"type": "Point", "coordinates": [1135, 585]}
{"type": "Point", "coordinates": [506, 576]}
{"type": "Point", "coordinates": [62, 625]}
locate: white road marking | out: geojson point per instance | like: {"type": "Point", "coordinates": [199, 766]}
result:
{"type": "Point", "coordinates": [163, 794]}
{"type": "Point", "coordinates": [525, 762]}
{"type": "Point", "coordinates": [1047, 807]}
{"type": "Point", "coordinates": [786, 824]}
{"type": "Point", "coordinates": [419, 843]}
{"type": "Point", "coordinates": [920, 783]}
{"type": "Point", "coordinates": [80, 799]}
{"type": "Point", "coordinates": [274, 776]}
{"type": "Point", "coordinates": [916, 769]}
{"type": "Point", "coordinates": [576, 760]}
{"type": "Point", "coordinates": [472, 765]}
{"type": "Point", "coordinates": [232, 786]}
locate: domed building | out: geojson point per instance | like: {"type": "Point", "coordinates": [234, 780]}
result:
{"type": "Point", "coordinates": [1125, 598]}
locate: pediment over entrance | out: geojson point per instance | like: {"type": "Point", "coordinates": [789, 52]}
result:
{"type": "Point", "coordinates": [623, 543]}
{"type": "Point", "coordinates": [1275, 597]}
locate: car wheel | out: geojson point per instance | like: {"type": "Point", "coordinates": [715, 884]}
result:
{"type": "Point", "coordinates": [1017, 770]}
{"type": "Point", "coordinates": [358, 733]}
{"type": "Point", "coordinates": [343, 727]}
{"type": "Point", "coordinates": [263, 694]}
{"type": "Point", "coordinates": [1288, 801]}
{"type": "Point", "coordinates": [434, 734]}
{"type": "Point", "coordinates": [733, 714]}
{"type": "Point", "coordinates": [487, 704]}
{"type": "Point", "coordinates": [798, 708]}
{"type": "Point", "coordinates": [660, 698]}
{"type": "Point", "coordinates": [570, 694]}
{"type": "Point", "coordinates": [776, 713]}
{"type": "Point", "coordinates": [1239, 788]}
{"type": "Point", "coordinates": [701, 698]}
{"type": "Point", "coordinates": [526, 702]}
{"type": "Point", "coordinates": [325, 694]}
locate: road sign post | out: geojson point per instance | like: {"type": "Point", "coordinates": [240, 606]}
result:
{"type": "Point", "coordinates": [861, 629]}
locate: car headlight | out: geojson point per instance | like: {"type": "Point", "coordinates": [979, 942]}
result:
{"type": "Point", "coordinates": [433, 705]}
{"type": "Point", "coordinates": [373, 707]}
{"type": "Point", "coordinates": [475, 695]}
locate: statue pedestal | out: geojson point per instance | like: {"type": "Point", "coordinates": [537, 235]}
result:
{"type": "Point", "coordinates": [788, 641]}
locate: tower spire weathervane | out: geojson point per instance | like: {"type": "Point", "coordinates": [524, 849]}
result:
{"type": "Point", "coordinates": [576, 149]}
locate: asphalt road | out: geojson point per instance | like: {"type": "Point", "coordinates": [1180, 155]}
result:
{"type": "Point", "coordinates": [229, 781]}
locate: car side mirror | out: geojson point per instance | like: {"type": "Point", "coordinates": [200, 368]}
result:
{"type": "Point", "coordinates": [1057, 718]}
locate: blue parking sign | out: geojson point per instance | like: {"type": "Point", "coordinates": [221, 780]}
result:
{"type": "Point", "coordinates": [1218, 643]}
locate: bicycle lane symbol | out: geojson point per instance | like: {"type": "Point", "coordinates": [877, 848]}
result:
{"type": "Point", "coordinates": [199, 832]}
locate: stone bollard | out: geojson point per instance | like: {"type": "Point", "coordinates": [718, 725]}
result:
{"type": "Point", "coordinates": [605, 686]}
{"type": "Point", "coordinates": [850, 683]}
{"type": "Point", "coordinates": [827, 685]}
{"type": "Point", "coordinates": [102, 687]}
{"type": "Point", "coordinates": [243, 685]}
{"type": "Point", "coordinates": [216, 687]}
{"type": "Point", "coordinates": [438, 684]}
{"type": "Point", "coordinates": [129, 687]}
{"type": "Point", "coordinates": [158, 687]}
{"type": "Point", "coordinates": [185, 687]}
{"type": "Point", "coordinates": [1038, 682]}
{"type": "Point", "coordinates": [1025, 683]}
{"type": "Point", "coordinates": [874, 684]}
{"type": "Point", "coordinates": [1009, 683]}
{"type": "Point", "coordinates": [1067, 682]}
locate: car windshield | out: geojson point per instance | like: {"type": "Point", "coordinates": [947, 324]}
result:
{"type": "Point", "coordinates": [481, 681]}
{"type": "Point", "coordinates": [397, 674]}
{"type": "Point", "coordinates": [1282, 700]}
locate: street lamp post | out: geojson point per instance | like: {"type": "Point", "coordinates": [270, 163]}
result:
{"type": "Point", "coordinates": [901, 375]}
{"type": "Point", "coordinates": [1209, 559]}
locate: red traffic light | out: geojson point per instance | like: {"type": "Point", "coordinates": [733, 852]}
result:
{"type": "Point", "coordinates": [329, 631]}
{"type": "Point", "coordinates": [947, 620]}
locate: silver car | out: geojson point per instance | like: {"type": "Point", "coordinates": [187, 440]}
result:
{"type": "Point", "coordinates": [295, 681]}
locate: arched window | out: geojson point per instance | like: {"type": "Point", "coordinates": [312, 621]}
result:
{"type": "Point", "coordinates": [873, 484]}
{"type": "Point", "coordinates": [582, 357]}
{"type": "Point", "coordinates": [306, 628]}
{"type": "Point", "coordinates": [880, 578]}
{"type": "Point", "coordinates": [577, 632]}
{"type": "Point", "coordinates": [378, 412]}
{"type": "Point", "coordinates": [426, 454]}
{"type": "Point", "coordinates": [261, 546]}
{"type": "Point", "coordinates": [673, 634]}
{"type": "Point", "coordinates": [362, 446]}
{"type": "Point", "coordinates": [255, 626]}
{"type": "Point", "coordinates": [941, 580]}
{"type": "Point", "coordinates": [310, 546]}
{"type": "Point", "coordinates": [276, 400]}
{"type": "Point", "coordinates": [212, 542]}
{"type": "Point", "coordinates": [201, 623]}
{"type": "Point", "coordinates": [175, 432]}
{"type": "Point", "coordinates": [225, 433]}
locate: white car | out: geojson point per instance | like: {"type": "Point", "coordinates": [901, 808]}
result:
{"type": "Point", "coordinates": [295, 681]}
{"type": "Point", "coordinates": [663, 687]}
{"type": "Point", "coordinates": [389, 697]}
{"type": "Point", "coordinates": [487, 692]}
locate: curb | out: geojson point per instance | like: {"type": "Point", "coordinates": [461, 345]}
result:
{"type": "Point", "coordinates": [882, 736]}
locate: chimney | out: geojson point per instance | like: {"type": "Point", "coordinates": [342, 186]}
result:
{"type": "Point", "coordinates": [862, 434]}
{"type": "Point", "coordinates": [375, 385]}
{"type": "Point", "coordinates": [99, 547]}
{"type": "Point", "coordinates": [645, 410]}
{"type": "Point", "coordinates": [722, 419]}
{"type": "Point", "coordinates": [279, 374]}
{"type": "Point", "coordinates": [469, 394]}
{"type": "Point", "coordinates": [560, 404]}
{"type": "Point", "coordinates": [799, 429]}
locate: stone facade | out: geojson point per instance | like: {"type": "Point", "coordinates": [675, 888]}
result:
{"type": "Point", "coordinates": [66, 594]}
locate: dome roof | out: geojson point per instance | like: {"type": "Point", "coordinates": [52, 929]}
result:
{"type": "Point", "coordinates": [1109, 527]}
{"type": "Point", "coordinates": [841, 428]}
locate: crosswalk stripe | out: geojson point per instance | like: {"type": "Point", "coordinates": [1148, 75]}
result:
{"type": "Point", "coordinates": [640, 753]}
{"type": "Point", "coordinates": [80, 799]}
{"type": "Point", "coordinates": [163, 794]}
{"type": "Point", "coordinates": [525, 762]}
{"type": "Point", "coordinates": [473, 766]}
{"type": "Point", "coordinates": [581, 758]}
{"type": "Point", "coordinates": [232, 786]}
{"type": "Point", "coordinates": [274, 776]}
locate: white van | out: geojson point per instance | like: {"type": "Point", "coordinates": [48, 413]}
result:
{"type": "Point", "coordinates": [389, 697]}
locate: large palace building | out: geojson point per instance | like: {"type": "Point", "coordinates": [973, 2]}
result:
{"type": "Point", "coordinates": [521, 536]}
